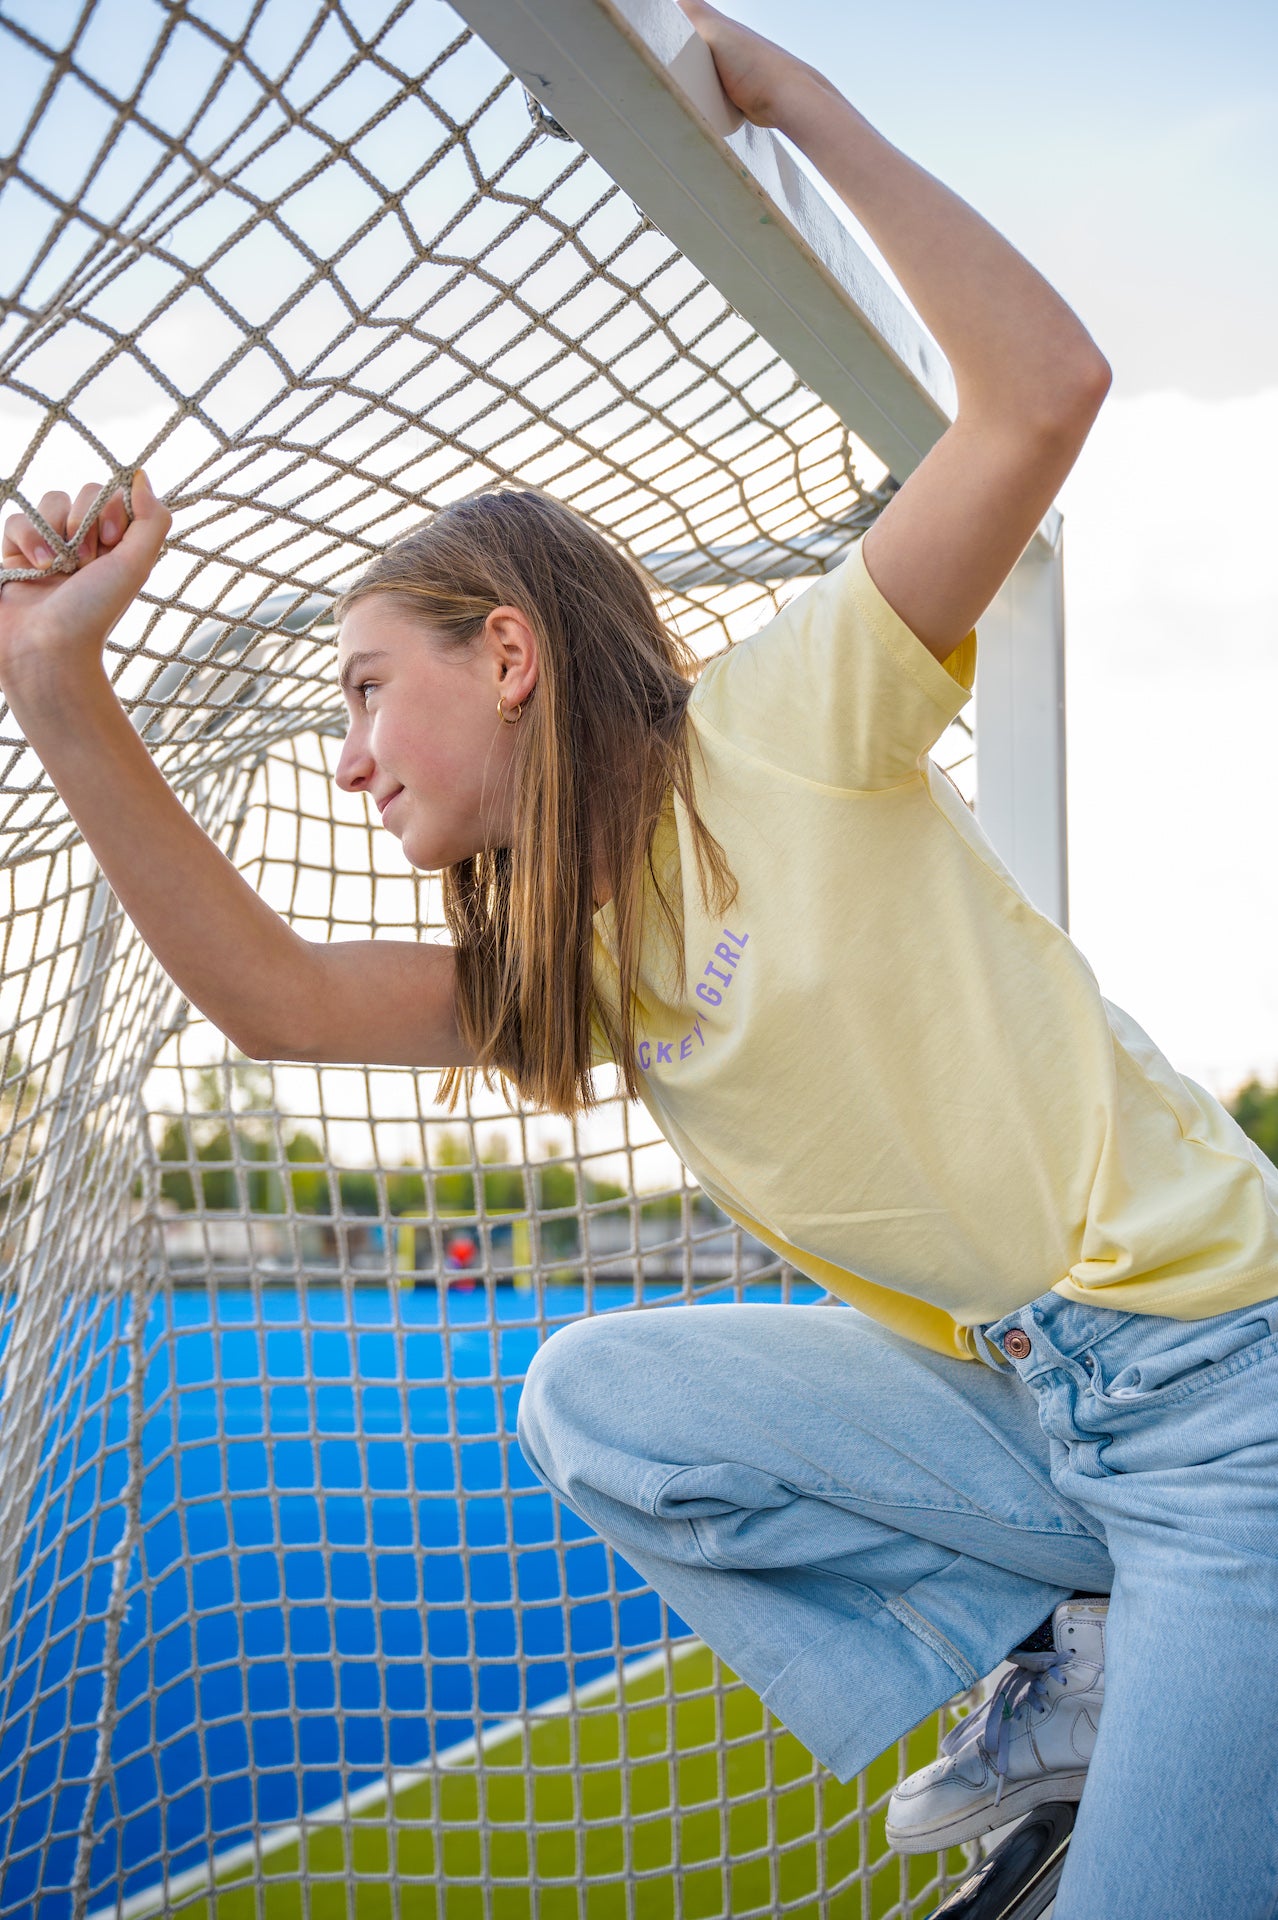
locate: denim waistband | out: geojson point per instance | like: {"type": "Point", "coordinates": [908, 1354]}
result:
{"type": "Point", "coordinates": [1057, 1328]}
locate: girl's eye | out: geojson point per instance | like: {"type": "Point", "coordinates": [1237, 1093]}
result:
{"type": "Point", "coordinates": [366, 687]}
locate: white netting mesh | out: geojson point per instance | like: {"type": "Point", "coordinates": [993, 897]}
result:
{"type": "Point", "coordinates": [277, 1584]}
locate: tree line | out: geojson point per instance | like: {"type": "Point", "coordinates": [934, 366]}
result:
{"type": "Point", "coordinates": [231, 1150]}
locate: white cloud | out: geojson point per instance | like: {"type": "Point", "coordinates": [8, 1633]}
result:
{"type": "Point", "coordinates": [1172, 677]}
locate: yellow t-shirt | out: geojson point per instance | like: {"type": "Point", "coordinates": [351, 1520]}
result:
{"type": "Point", "coordinates": [887, 1064]}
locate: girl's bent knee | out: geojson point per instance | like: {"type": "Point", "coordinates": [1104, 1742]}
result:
{"type": "Point", "coordinates": [618, 1387]}
{"type": "Point", "coordinates": [564, 1384]}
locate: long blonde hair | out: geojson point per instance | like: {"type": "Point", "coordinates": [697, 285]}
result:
{"type": "Point", "coordinates": [601, 744]}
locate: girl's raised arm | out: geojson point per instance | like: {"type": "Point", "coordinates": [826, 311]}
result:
{"type": "Point", "coordinates": [274, 994]}
{"type": "Point", "coordinates": [1030, 379]}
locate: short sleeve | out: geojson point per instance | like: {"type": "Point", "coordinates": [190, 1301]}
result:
{"type": "Point", "coordinates": [837, 689]}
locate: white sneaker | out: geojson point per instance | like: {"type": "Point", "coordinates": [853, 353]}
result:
{"type": "Point", "coordinates": [1031, 1742]}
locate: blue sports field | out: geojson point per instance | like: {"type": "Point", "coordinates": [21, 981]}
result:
{"type": "Point", "coordinates": [340, 1545]}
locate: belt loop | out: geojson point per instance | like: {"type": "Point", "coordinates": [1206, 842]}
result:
{"type": "Point", "coordinates": [987, 1350]}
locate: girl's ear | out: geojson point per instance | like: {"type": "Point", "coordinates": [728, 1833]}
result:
{"type": "Point", "coordinates": [513, 645]}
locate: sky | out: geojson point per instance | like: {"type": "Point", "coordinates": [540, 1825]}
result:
{"type": "Point", "coordinates": [1130, 151]}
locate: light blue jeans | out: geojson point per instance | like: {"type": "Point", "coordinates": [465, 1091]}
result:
{"type": "Point", "coordinates": [861, 1528]}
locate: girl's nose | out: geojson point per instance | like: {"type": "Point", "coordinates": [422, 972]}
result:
{"type": "Point", "coordinates": [354, 765]}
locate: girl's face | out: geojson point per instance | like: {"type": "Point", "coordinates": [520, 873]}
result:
{"type": "Point", "coordinates": [425, 741]}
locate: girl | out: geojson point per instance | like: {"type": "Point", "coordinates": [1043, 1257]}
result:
{"type": "Point", "coordinates": [756, 893]}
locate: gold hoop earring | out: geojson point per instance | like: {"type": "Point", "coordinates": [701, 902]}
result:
{"type": "Point", "coordinates": [501, 709]}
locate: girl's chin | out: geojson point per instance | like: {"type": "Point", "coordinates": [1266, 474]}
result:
{"type": "Point", "coordinates": [428, 857]}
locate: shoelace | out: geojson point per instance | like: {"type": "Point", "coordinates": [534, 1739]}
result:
{"type": "Point", "coordinates": [1016, 1694]}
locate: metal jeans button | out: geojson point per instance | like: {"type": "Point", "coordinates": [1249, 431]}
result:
{"type": "Point", "coordinates": [1016, 1345]}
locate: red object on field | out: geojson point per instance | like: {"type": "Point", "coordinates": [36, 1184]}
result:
{"type": "Point", "coordinates": [460, 1250]}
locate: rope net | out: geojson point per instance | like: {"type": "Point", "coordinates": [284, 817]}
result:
{"type": "Point", "coordinates": [288, 1625]}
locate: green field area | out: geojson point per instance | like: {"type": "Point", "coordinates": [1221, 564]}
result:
{"type": "Point", "coordinates": [703, 1802]}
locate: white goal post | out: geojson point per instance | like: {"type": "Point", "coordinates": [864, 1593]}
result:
{"type": "Point", "coordinates": [633, 82]}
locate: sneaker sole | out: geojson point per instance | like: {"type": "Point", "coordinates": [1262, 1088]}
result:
{"type": "Point", "coordinates": [1015, 1802]}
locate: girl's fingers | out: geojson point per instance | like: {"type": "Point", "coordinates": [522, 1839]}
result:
{"type": "Point", "coordinates": [88, 547]}
{"type": "Point", "coordinates": [113, 521]}
{"type": "Point", "coordinates": [54, 508]}
{"type": "Point", "coordinates": [23, 546]}
{"type": "Point", "coordinates": [80, 506]}
{"type": "Point", "coordinates": [13, 552]}
{"type": "Point", "coordinates": [150, 514]}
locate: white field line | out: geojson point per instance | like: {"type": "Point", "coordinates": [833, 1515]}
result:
{"type": "Point", "coordinates": [155, 1900]}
